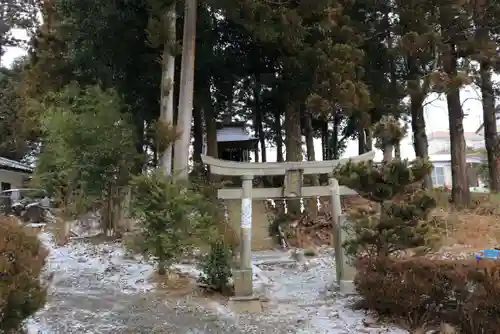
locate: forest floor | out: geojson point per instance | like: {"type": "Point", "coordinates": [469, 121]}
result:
{"type": "Point", "coordinates": [98, 288]}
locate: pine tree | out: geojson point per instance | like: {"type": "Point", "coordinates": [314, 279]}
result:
{"type": "Point", "coordinates": [398, 221]}
{"type": "Point", "coordinates": [455, 25]}
{"type": "Point", "coordinates": [416, 25]}
{"type": "Point", "coordinates": [485, 45]}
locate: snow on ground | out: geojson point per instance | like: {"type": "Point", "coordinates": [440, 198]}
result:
{"type": "Point", "coordinates": [99, 289]}
{"type": "Point", "coordinates": [306, 294]}
{"type": "Point", "coordinates": [107, 261]}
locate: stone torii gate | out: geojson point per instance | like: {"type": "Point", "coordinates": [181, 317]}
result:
{"type": "Point", "coordinates": [293, 171]}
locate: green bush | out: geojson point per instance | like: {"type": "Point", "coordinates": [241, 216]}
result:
{"type": "Point", "coordinates": [215, 267]}
{"type": "Point", "coordinates": [419, 291]}
{"type": "Point", "coordinates": [173, 217]}
{"type": "Point", "coordinates": [22, 260]}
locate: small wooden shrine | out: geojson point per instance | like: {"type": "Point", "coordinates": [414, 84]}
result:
{"type": "Point", "coordinates": [234, 143]}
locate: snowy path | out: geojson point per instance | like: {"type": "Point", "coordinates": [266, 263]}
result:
{"type": "Point", "coordinates": [306, 298]}
{"type": "Point", "coordinates": [96, 289]}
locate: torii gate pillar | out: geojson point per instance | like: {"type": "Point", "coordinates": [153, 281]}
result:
{"type": "Point", "coordinates": [243, 285]}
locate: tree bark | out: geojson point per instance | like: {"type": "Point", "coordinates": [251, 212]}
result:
{"type": "Point", "coordinates": [490, 126]}
{"type": "Point", "coordinates": [139, 142]}
{"type": "Point", "coordinates": [460, 193]}
{"type": "Point", "coordinates": [489, 112]}
{"type": "Point", "coordinates": [325, 140]}
{"type": "Point", "coordinates": [309, 134]}
{"type": "Point", "coordinates": [368, 140]}
{"type": "Point", "coordinates": [186, 91]}
{"type": "Point", "coordinates": [293, 145]}
{"type": "Point", "coordinates": [312, 203]}
{"type": "Point", "coordinates": [278, 133]}
{"type": "Point", "coordinates": [397, 151]}
{"type": "Point", "coordinates": [293, 133]}
{"type": "Point", "coordinates": [210, 118]}
{"type": "Point", "coordinates": [334, 147]}
{"type": "Point", "coordinates": [198, 135]}
{"type": "Point", "coordinates": [420, 142]}
{"type": "Point", "coordinates": [388, 149]}
{"type": "Point", "coordinates": [259, 119]}
{"type": "Point", "coordinates": [167, 85]}
{"type": "Point", "coordinates": [361, 140]}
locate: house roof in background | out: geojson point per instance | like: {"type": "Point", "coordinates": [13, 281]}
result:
{"type": "Point", "coordinates": [14, 165]}
{"type": "Point", "coordinates": [446, 135]}
{"type": "Point", "coordinates": [497, 112]}
{"type": "Point", "coordinates": [470, 152]}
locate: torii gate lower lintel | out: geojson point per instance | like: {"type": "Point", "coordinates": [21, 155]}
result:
{"type": "Point", "coordinates": [292, 189]}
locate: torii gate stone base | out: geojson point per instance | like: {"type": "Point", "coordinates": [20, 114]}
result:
{"type": "Point", "coordinates": [244, 298]}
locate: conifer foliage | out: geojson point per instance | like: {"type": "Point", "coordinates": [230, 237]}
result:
{"type": "Point", "coordinates": [173, 217]}
{"type": "Point", "coordinates": [398, 220]}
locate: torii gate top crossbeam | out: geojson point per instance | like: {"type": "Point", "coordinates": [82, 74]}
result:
{"type": "Point", "coordinates": [232, 168]}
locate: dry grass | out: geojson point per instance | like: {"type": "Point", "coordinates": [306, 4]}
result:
{"type": "Point", "coordinates": [474, 228]}
{"type": "Point", "coordinates": [468, 230]}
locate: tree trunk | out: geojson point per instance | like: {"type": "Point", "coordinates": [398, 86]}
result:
{"type": "Point", "coordinates": [312, 203]}
{"type": "Point", "coordinates": [293, 133]}
{"type": "Point", "coordinates": [361, 140]}
{"type": "Point", "coordinates": [388, 153]}
{"type": "Point", "coordinates": [460, 188]}
{"type": "Point", "coordinates": [334, 147]}
{"type": "Point", "coordinates": [309, 134]}
{"type": "Point", "coordinates": [368, 140]}
{"type": "Point", "coordinates": [490, 125]}
{"type": "Point", "coordinates": [325, 140]}
{"type": "Point", "coordinates": [211, 125]}
{"type": "Point", "coordinates": [278, 133]}
{"type": "Point", "coordinates": [139, 142]}
{"type": "Point", "coordinates": [293, 145]}
{"type": "Point", "coordinates": [259, 119]}
{"type": "Point", "coordinates": [198, 136]}
{"type": "Point", "coordinates": [167, 85]}
{"type": "Point", "coordinates": [186, 90]}
{"type": "Point", "coordinates": [420, 142]}
{"type": "Point", "coordinates": [397, 151]}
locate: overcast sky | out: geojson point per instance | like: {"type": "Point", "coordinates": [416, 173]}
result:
{"type": "Point", "coordinates": [436, 115]}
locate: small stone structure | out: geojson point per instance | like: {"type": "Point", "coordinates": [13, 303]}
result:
{"type": "Point", "coordinates": [252, 223]}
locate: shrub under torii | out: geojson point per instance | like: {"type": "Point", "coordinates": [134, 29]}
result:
{"type": "Point", "coordinates": [399, 221]}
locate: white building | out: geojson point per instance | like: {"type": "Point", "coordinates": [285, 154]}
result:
{"type": "Point", "coordinates": [439, 155]}
{"type": "Point", "coordinates": [13, 174]}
